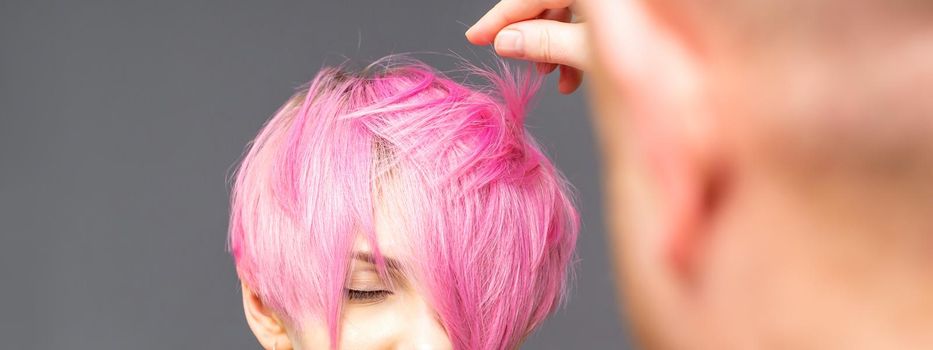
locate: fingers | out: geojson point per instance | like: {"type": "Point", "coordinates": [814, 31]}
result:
{"type": "Point", "coordinates": [562, 14]}
{"type": "Point", "coordinates": [535, 30]}
{"type": "Point", "coordinates": [506, 12]}
{"type": "Point", "coordinates": [544, 41]}
{"type": "Point", "coordinates": [570, 80]}
{"type": "Point", "coordinates": [545, 68]}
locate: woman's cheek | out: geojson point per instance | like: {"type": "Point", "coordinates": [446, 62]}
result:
{"type": "Point", "coordinates": [372, 326]}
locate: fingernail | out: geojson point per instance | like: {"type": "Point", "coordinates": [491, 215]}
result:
{"type": "Point", "coordinates": [509, 43]}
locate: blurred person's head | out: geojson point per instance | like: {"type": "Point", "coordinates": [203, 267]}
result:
{"type": "Point", "coordinates": [770, 169]}
{"type": "Point", "coordinates": [393, 208]}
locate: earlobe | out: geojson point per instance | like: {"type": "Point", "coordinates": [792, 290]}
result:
{"type": "Point", "coordinates": [678, 190]}
{"type": "Point", "coordinates": [268, 328]}
{"type": "Point", "coordinates": [692, 188]}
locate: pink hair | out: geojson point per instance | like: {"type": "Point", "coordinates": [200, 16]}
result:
{"type": "Point", "coordinates": [489, 220]}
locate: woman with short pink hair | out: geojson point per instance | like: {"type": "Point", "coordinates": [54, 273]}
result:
{"type": "Point", "coordinates": [393, 207]}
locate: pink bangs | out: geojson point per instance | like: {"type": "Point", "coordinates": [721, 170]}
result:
{"type": "Point", "coordinates": [490, 226]}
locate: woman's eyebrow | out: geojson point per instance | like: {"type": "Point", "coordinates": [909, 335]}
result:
{"type": "Point", "coordinates": [391, 263]}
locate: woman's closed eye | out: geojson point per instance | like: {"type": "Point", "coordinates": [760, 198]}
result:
{"type": "Point", "coordinates": [367, 296]}
{"type": "Point", "coordinates": [365, 285]}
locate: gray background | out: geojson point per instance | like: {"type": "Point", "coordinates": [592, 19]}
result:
{"type": "Point", "coordinates": [119, 121]}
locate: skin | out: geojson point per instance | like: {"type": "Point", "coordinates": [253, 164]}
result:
{"type": "Point", "coordinates": [384, 314]}
{"type": "Point", "coordinates": [767, 164]}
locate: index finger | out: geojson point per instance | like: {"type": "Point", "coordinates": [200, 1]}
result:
{"type": "Point", "coordinates": [506, 12]}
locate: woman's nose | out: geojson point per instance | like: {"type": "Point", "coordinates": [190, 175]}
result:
{"type": "Point", "coordinates": [424, 330]}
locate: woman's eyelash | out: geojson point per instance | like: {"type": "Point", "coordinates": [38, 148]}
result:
{"type": "Point", "coordinates": [367, 295]}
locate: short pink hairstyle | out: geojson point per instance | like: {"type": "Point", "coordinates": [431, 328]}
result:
{"type": "Point", "coordinates": [489, 220]}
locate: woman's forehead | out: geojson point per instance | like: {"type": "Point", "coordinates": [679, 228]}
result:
{"type": "Point", "coordinates": [389, 236]}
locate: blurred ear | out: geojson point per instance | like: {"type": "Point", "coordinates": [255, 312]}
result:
{"type": "Point", "coordinates": [269, 330]}
{"type": "Point", "coordinates": [649, 57]}
{"type": "Point", "coordinates": [691, 190]}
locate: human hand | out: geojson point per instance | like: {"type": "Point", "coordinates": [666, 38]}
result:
{"type": "Point", "coordinates": [542, 31]}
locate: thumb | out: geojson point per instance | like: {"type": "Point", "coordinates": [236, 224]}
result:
{"type": "Point", "coordinates": [547, 41]}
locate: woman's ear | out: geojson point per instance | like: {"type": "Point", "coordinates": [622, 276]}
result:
{"type": "Point", "coordinates": [650, 54]}
{"type": "Point", "coordinates": [268, 328]}
{"type": "Point", "coordinates": [692, 191]}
